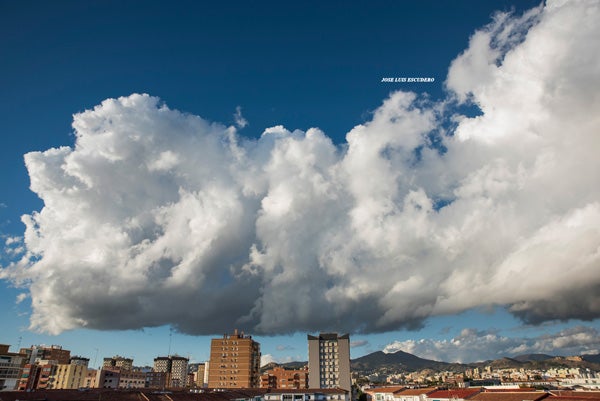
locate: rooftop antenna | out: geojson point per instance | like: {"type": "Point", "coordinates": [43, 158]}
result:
{"type": "Point", "coordinates": [170, 339]}
{"type": "Point", "coordinates": [95, 357]}
{"type": "Point", "coordinates": [19, 344]}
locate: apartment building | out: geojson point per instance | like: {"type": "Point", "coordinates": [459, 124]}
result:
{"type": "Point", "coordinates": [132, 379]}
{"type": "Point", "coordinates": [176, 368]}
{"type": "Point", "coordinates": [279, 377]}
{"type": "Point", "coordinates": [69, 376]}
{"type": "Point", "coordinates": [234, 362]}
{"type": "Point", "coordinates": [47, 353]}
{"type": "Point", "coordinates": [79, 360]}
{"type": "Point", "coordinates": [329, 361]}
{"type": "Point", "coordinates": [157, 379]}
{"type": "Point", "coordinates": [199, 375]}
{"type": "Point", "coordinates": [108, 378]}
{"type": "Point", "coordinates": [179, 371]}
{"type": "Point", "coordinates": [90, 380]}
{"type": "Point", "coordinates": [38, 376]}
{"type": "Point", "coordinates": [333, 394]}
{"type": "Point", "coordinates": [118, 362]}
{"type": "Point", "coordinates": [11, 366]}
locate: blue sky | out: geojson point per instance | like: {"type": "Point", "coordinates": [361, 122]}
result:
{"type": "Point", "coordinates": [303, 66]}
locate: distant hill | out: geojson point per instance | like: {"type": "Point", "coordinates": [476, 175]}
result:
{"type": "Point", "coordinates": [505, 363]}
{"type": "Point", "coordinates": [594, 358]}
{"type": "Point", "coordinates": [268, 366]}
{"type": "Point", "coordinates": [288, 365]}
{"type": "Point", "coordinates": [399, 360]}
{"type": "Point", "coordinates": [532, 357]}
{"type": "Point", "coordinates": [294, 365]}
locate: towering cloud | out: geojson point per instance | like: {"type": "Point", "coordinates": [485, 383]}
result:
{"type": "Point", "coordinates": [156, 216]}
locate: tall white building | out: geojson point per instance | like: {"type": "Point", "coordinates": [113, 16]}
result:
{"type": "Point", "coordinates": [329, 361]}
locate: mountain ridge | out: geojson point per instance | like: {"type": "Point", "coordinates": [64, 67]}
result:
{"type": "Point", "coordinates": [406, 362]}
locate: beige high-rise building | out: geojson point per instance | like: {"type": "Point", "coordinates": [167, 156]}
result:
{"type": "Point", "coordinates": [69, 376]}
{"type": "Point", "coordinates": [90, 380]}
{"type": "Point", "coordinates": [200, 373]}
{"type": "Point", "coordinates": [329, 361]}
{"type": "Point", "coordinates": [234, 362]}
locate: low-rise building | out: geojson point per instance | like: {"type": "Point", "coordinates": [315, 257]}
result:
{"type": "Point", "coordinates": [562, 395]}
{"type": "Point", "coordinates": [383, 393]}
{"type": "Point", "coordinates": [510, 396]}
{"type": "Point", "coordinates": [320, 394]}
{"type": "Point", "coordinates": [279, 377]}
{"type": "Point", "coordinates": [108, 378]}
{"type": "Point", "coordinates": [157, 380]}
{"type": "Point", "coordinates": [11, 368]}
{"type": "Point", "coordinates": [414, 394]}
{"type": "Point", "coordinates": [132, 379]}
{"type": "Point", "coordinates": [585, 383]}
{"type": "Point", "coordinates": [452, 395]}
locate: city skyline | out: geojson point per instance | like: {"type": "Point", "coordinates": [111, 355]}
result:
{"type": "Point", "coordinates": [425, 182]}
{"type": "Point", "coordinates": [55, 368]}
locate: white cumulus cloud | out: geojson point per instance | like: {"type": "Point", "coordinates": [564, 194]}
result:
{"type": "Point", "coordinates": [158, 217]}
{"type": "Point", "coordinates": [240, 121]}
{"type": "Point", "coordinates": [21, 297]}
{"type": "Point", "coordinates": [473, 345]}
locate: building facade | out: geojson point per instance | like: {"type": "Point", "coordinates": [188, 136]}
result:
{"type": "Point", "coordinates": [11, 368]}
{"type": "Point", "coordinates": [108, 378]}
{"type": "Point", "coordinates": [234, 362]}
{"type": "Point", "coordinates": [176, 369]}
{"type": "Point", "coordinates": [90, 380]}
{"type": "Point", "coordinates": [329, 361]}
{"type": "Point", "coordinates": [333, 394]}
{"type": "Point", "coordinates": [118, 362]}
{"type": "Point", "coordinates": [179, 372]}
{"type": "Point", "coordinates": [200, 374]}
{"type": "Point", "coordinates": [132, 379]}
{"type": "Point", "coordinates": [79, 360]}
{"type": "Point", "coordinates": [157, 380]}
{"type": "Point", "coordinates": [37, 353]}
{"type": "Point", "coordinates": [279, 377]}
{"type": "Point", "coordinates": [38, 376]}
{"type": "Point", "coordinates": [162, 364]}
{"type": "Point", "coordinates": [69, 376]}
